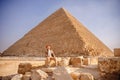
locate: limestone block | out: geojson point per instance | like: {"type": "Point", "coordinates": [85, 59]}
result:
{"type": "Point", "coordinates": [47, 70]}
{"type": "Point", "coordinates": [93, 60]}
{"type": "Point", "coordinates": [86, 76]}
{"type": "Point", "coordinates": [76, 61]}
{"type": "Point", "coordinates": [75, 75]}
{"type": "Point", "coordinates": [24, 67]}
{"type": "Point", "coordinates": [86, 61]}
{"type": "Point", "coordinates": [27, 76]}
{"type": "Point", "coordinates": [17, 77]}
{"type": "Point", "coordinates": [64, 62]}
{"type": "Point", "coordinates": [38, 75]}
{"type": "Point", "coordinates": [81, 76]}
{"type": "Point", "coordinates": [117, 52]}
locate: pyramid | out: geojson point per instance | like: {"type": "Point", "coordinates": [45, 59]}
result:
{"type": "Point", "coordinates": [66, 35]}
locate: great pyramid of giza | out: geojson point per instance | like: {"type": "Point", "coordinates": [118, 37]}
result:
{"type": "Point", "coordinates": [66, 35]}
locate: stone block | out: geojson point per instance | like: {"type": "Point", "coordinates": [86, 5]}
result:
{"type": "Point", "coordinates": [75, 75]}
{"type": "Point", "coordinates": [47, 70]}
{"type": "Point", "coordinates": [81, 76]}
{"type": "Point", "coordinates": [17, 77]}
{"type": "Point", "coordinates": [27, 76]}
{"type": "Point", "coordinates": [86, 76]}
{"type": "Point", "coordinates": [38, 75]}
{"type": "Point", "coordinates": [61, 73]}
{"type": "Point", "coordinates": [86, 61]}
{"type": "Point", "coordinates": [64, 61]}
{"type": "Point", "coordinates": [24, 67]}
{"type": "Point", "coordinates": [76, 61]}
{"type": "Point", "coordinates": [93, 60]}
{"type": "Point", "coordinates": [117, 52]}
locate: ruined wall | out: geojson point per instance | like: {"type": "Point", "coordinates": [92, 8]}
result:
{"type": "Point", "coordinates": [109, 68]}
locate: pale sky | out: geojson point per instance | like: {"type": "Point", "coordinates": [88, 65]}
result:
{"type": "Point", "coordinates": [101, 17]}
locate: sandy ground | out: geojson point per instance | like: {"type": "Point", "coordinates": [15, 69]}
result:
{"type": "Point", "coordinates": [10, 67]}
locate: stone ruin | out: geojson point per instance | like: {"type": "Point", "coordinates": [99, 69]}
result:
{"type": "Point", "coordinates": [30, 72]}
{"type": "Point", "coordinates": [108, 68]}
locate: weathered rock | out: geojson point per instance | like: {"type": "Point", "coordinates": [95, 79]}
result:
{"type": "Point", "coordinates": [93, 60]}
{"type": "Point", "coordinates": [47, 70]}
{"type": "Point", "coordinates": [117, 52]}
{"type": "Point", "coordinates": [27, 76]}
{"type": "Point", "coordinates": [86, 61]}
{"type": "Point", "coordinates": [109, 67]}
{"type": "Point", "coordinates": [75, 75]}
{"type": "Point", "coordinates": [61, 73]}
{"type": "Point", "coordinates": [17, 77]}
{"type": "Point", "coordinates": [86, 76]}
{"type": "Point", "coordinates": [76, 61]}
{"type": "Point", "coordinates": [38, 75]}
{"type": "Point", "coordinates": [24, 67]}
{"type": "Point", "coordinates": [64, 61]}
{"type": "Point", "coordinates": [9, 77]}
{"type": "Point", "coordinates": [81, 76]}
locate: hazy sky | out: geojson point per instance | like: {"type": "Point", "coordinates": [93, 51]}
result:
{"type": "Point", "coordinates": [101, 17]}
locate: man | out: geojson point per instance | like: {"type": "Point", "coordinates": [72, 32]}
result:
{"type": "Point", "coordinates": [50, 55]}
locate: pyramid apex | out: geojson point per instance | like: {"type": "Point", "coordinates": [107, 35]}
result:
{"type": "Point", "coordinates": [62, 8]}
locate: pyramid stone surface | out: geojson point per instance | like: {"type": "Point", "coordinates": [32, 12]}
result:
{"type": "Point", "coordinates": [66, 35]}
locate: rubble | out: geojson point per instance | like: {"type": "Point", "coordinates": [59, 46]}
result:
{"type": "Point", "coordinates": [38, 75]}
{"type": "Point", "coordinates": [17, 77]}
{"type": "Point", "coordinates": [109, 67]}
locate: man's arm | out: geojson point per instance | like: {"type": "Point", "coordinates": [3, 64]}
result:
{"type": "Point", "coordinates": [46, 54]}
{"type": "Point", "coordinates": [53, 54]}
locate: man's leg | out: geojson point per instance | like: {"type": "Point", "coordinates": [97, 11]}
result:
{"type": "Point", "coordinates": [48, 61]}
{"type": "Point", "coordinates": [54, 58]}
